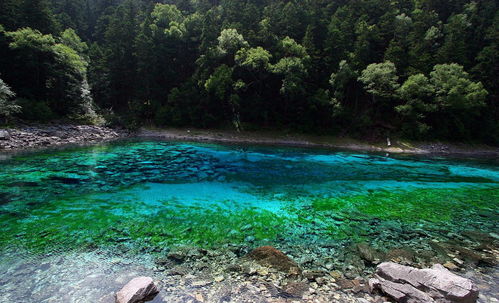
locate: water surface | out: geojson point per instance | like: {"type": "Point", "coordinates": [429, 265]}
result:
{"type": "Point", "coordinates": [82, 208]}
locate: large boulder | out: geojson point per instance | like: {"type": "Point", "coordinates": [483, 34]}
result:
{"type": "Point", "coordinates": [137, 290]}
{"type": "Point", "coordinates": [412, 285]}
{"type": "Point", "coordinates": [270, 256]}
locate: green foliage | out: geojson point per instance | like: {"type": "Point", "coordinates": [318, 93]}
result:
{"type": "Point", "coordinates": [62, 77]}
{"type": "Point", "coordinates": [292, 66]}
{"type": "Point", "coordinates": [27, 38]}
{"type": "Point", "coordinates": [255, 58]}
{"type": "Point", "coordinates": [341, 79]}
{"type": "Point", "coordinates": [417, 94]}
{"type": "Point", "coordinates": [70, 58]}
{"type": "Point", "coordinates": [7, 106]}
{"type": "Point", "coordinates": [380, 79]}
{"type": "Point", "coordinates": [293, 69]}
{"type": "Point", "coordinates": [454, 48]}
{"type": "Point", "coordinates": [449, 90]}
{"type": "Point", "coordinates": [73, 41]}
{"type": "Point", "coordinates": [455, 90]}
{"type": "Point", "coordinates": [167, 20]}
{"type": "Point", "coordinates": [415, 90]}
{"type": "Point", "coordinates": [291, 48]}
{"type": "Point", "coordinates": [366, 37]}
{"type": "Point", "coordinates": [5, 92]}
{"type": "Point", "coordinates": [230, 41]}
{"type": "Point", "coordinates": [220, 82]}
{"type": "Point", "coordinates": [181, 109]}
{"type": "Point", "coordinates": [36, 14]}
{"type": "Point", "coordinates": [220, 87]}
{"type": "Point", "coordinates": [87, 113]}
{"type": "Point", "coordinates": [119, 34]}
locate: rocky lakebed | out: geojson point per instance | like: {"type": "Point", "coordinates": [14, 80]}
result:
{"type": "Point", "coordinates": [266, 274]}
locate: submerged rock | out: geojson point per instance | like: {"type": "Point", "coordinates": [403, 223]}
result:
{"type": "Point", "coordinates": [270, 256]}
{"type": "Point", "coordinates": [182, 253]}
{"type": "Point", "coordinates": [400, 255]}
{"type": "Point", "coordinates": [368, 253]}
{"type": "Point", "coordinates": [436, 284]}
{"type": "Point", "coordinates": [137, 290]}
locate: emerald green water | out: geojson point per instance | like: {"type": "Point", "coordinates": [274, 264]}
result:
{"type": "Point", "coordinates": [140, 198]}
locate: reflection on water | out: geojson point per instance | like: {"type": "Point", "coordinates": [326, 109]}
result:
{"type": "Point", "coordinates": [135, 200]}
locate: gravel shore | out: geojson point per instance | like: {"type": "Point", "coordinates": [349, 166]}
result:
{"type": "Point", "coordinates": [30, 137]}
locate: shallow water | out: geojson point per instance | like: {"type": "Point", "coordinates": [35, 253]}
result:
{"type": "Point", "coordinates": [66, 215]}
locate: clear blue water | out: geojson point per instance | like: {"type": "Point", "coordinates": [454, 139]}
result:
{"type": "Point", "coordinates": [140, 198]}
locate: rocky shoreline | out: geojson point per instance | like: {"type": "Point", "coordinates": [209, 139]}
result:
{"type": "Point", "coordinates": [30, 137]}
{"type": "Point", "coordinates": [43, 136]}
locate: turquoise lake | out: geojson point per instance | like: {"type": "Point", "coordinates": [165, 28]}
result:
{"type": "Point", "coordinates": [82, 206]}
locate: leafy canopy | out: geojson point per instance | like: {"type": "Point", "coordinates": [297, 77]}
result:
{"type": "Point", "coordinates": [380, 79]}
{"type": "Point", "coordinates": [167, 20]}
{"type": "Point", "coordinates": [230, 41]}
{"type": "Point", "coordinates": [455, 89]}
{"type": "Point", "coordinates": [254, 58]}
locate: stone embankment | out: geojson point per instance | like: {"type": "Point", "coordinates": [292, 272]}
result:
{"type": "Point", "coordinates": [47, 136]}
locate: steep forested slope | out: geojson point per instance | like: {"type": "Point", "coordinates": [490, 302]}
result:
{"type": "Point", "coordinates": [416, 68]}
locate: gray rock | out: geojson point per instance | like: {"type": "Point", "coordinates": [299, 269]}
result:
{"type": "Point", "coordinates": [4, 135]}
{"type": "Point", "coordinates": [137, 290]}
{"type": "Point", "coordinates": [412, 285]}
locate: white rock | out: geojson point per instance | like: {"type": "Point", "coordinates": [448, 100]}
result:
{"type": "Point", "coordinates": [137, 290]}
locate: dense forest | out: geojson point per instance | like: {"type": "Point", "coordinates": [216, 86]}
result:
{"type": "Point", "coordinates": [420, 69]}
